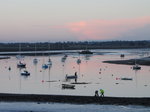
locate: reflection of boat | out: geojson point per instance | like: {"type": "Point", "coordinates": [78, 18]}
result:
{"type": "Point", "coordinates": [21, 65]}
{"type": "Point", "coordinates": [86, 52]}
{"type": "Point", "coordinates": [68, 86]}
{"type": "Point", "coordinates": [25, 73]}
{"type": "Point", "coordinates": [44, 66]}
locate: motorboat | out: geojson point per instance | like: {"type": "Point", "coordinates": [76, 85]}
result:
{"type": "Point", "coordinates": [25, 73]}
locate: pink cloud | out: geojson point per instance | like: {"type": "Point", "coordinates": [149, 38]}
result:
{"type": "Point", "coordinates": [105, 29]}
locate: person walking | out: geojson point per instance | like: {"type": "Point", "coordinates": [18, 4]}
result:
{"type": "Point", "coordinates": [102, 92]}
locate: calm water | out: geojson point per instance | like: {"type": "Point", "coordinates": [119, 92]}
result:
{"type": "Point", "coordinates": [91, 70]}
{"type": "Point", "coordinates": [45, 107]}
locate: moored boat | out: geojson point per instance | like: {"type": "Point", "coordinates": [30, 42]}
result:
{"type": "Point", "coordinates": [25, 73]}
{"type": "Point", "coordinates": [136, 67]}
{"type": "Point", "coordinates": [68, 86]}
{"type": "Point", "coordinates": [21, 65]}
{"type": "Point", "coordinates": [86, 52]}
{"type": "Point", "coordinates": [44, 66]}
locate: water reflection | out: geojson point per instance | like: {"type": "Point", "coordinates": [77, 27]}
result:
{"type": "Point", "coordinates": [92, 75]}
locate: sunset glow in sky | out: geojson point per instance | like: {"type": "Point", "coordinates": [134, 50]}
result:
{"type": "Point", "coordinates": [74, 20]}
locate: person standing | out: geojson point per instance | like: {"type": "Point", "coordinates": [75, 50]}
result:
{"type": "Point", "coordinates": [96, 93]}
{"type": "Point", "coordinates": [75, 77]}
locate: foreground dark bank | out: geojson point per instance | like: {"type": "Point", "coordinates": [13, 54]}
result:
{"type": "Point", "coordinates": [74, 99]}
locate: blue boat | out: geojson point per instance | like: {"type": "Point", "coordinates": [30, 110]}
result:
{"type": "Point", "coordinates": [44, 66]}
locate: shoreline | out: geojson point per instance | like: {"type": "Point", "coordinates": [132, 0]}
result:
{"type": "Point", "coordinates": [6, 97]}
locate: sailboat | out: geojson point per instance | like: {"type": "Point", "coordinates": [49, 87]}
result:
{"type": "Point", "coordinates": [136, 66]}
{"type": "Point", "coordinates": [44, 65]}
{"type": "Point", "coordinates": [86, 51]}
{"type": "Point", "coordinates": [35, 60]}
{"type": "Point", "coordinates": [20, 64]}
{"type": "Point", "coordinates": [49, 60]}
{"type": "Point", "coordinates": [19, 56]}
{"type": "Point", "coordinates": [79, 60]}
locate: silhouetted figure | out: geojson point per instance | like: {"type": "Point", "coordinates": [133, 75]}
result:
{"type": "Point", "coordinates": [75, 77]}
{"type": "Point", "coordinates": [96, 93]}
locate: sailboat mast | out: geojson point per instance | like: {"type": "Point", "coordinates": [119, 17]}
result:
{"type": "Point", "coordinates": [35, 49]}
{"type": "Point", "coordinates": [19, 48]}
{"type": "Point", "coordinates": [49, 49]}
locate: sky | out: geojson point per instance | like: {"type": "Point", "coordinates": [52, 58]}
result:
{"type": "Point", "coordinates": [74, 20]}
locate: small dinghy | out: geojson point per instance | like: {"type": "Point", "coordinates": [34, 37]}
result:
{"type": "Point", "coordinates": [25, 73]}
{"type": "Point", "coordinates": [68, 86]}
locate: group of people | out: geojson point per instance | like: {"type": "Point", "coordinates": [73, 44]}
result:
{"type": "Point", "coordinates": [101, 93]}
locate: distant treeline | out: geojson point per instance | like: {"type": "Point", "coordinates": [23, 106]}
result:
{"type": "Point", "coordinates": [5, 47]}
